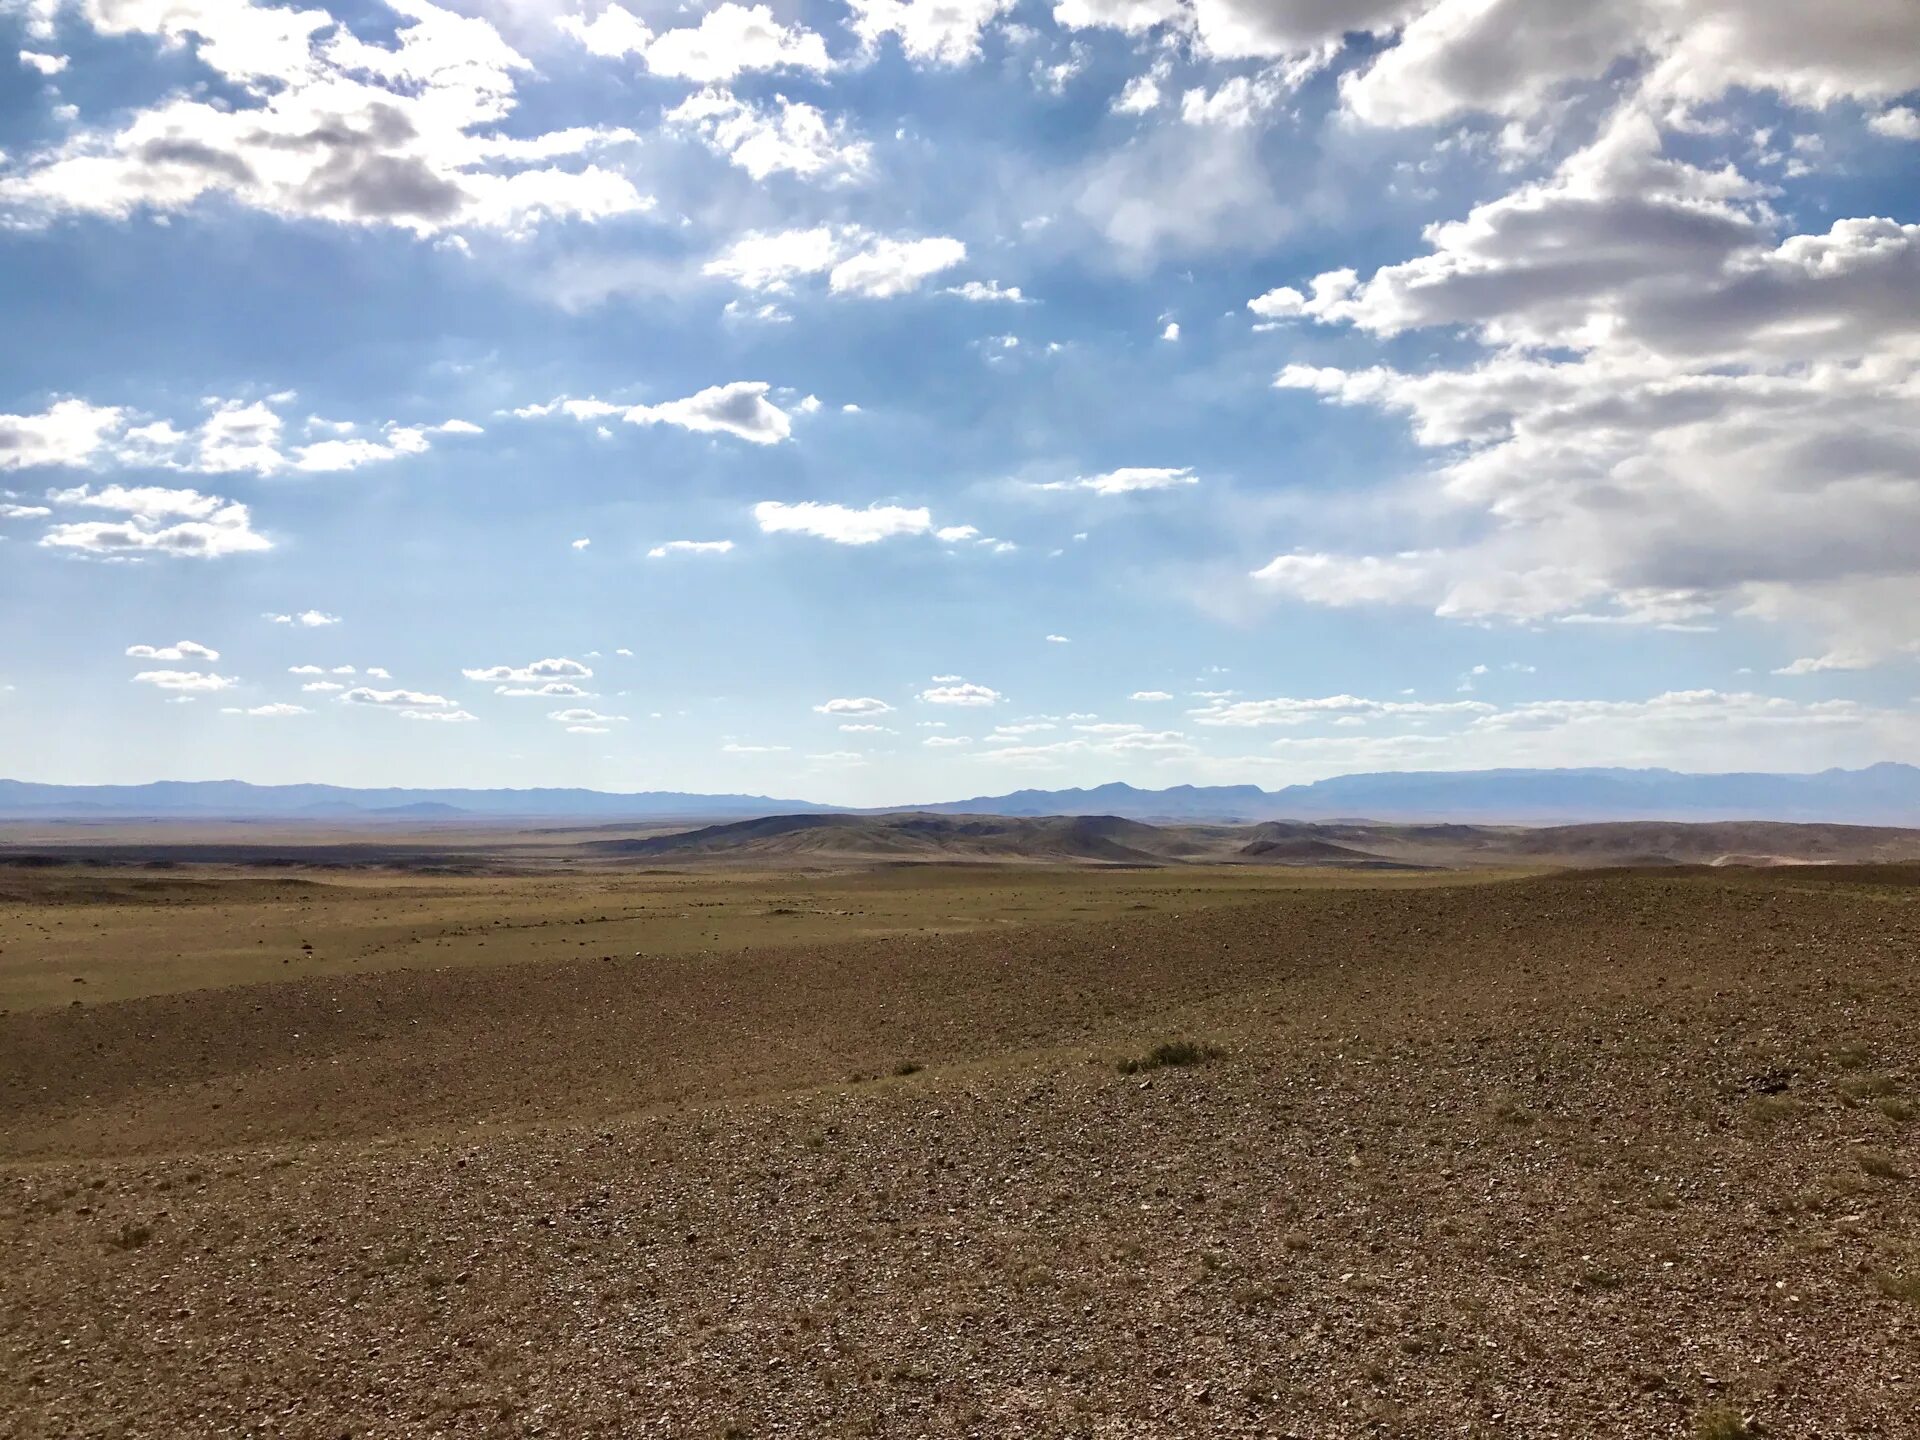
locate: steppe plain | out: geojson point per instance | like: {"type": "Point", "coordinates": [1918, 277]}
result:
{"type": "Point", "coordinates": [518, 1133]}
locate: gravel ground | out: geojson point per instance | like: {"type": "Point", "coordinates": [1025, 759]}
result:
{"type": "Point", "coordinates": [1608, 1155]}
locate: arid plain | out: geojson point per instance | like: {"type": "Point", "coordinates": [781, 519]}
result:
{"type": "Point", "coordinates": [1086, 1131]}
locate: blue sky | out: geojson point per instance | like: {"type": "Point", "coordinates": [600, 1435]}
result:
{"type": "Point", "coordinates": [954, 398]}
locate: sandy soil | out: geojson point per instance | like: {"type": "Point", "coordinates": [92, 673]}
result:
{"type": "Point", "coordinates": [1617, 1154]}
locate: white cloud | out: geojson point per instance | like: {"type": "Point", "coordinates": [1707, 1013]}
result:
{"type": "Point", "coordinates": [551, 690]}
{"type": "Point", "coordinates": [1058, 640]}
{"type": "Point", "coordinates": [1902, 122]}
{"type": "Point", "coordinates": [938, 32]}
{"type": "Point", "coordinates": [1129, 479]}
{"type": "Point", "coordinates": [730, 40]}
{"type": "Point", "coordinates": [307, 619]}
{"type": "Point", "coordinates": [864, 729]}
{"type": "Point", "coordinates": [1172, 332]}
{"type": "Point", "coordinates": [557, 668]}
{"type": "Point", "coordinates": [946, 742]}
{"type": "Point", "coordinates": [894, 267]}
{"type": "Point", "coordinates": [580, 544]}
{"type": "Point", "coordinates": [323, 687]}
{"type": "Point", "coordinates": [1151, 695]}
{"type": "Point", "coordinates": [1832, 660]}
{"type": "Point", "coordinates": [445, 717]}
{"type": "Point", "coordinates": [202, 526]}
{"type": "Point", "coordinates": [688, 547]}
{"type": "Point", "coordinates": [1292, 711]}
{"type": "Point", "coordinates": [982, 292]}
{"type": "Point", "coordinates": [236, 436]}
{"type": "Point", "coordinates": [863, 705]}
{"type": "Point", "coordinates": [855, 261]}
{"type": "Point", "coordinates": [316, 123]}
{"type": "Point", "coordinates": [961, 693]}
{"type": "Point", "coordinates": [43, 63]}
{"type": "Point", "coordinates": [954, 534]}
{"type": "Point", "coordinates": [68, 432]}
{"type": "Point", "coordinates": [739, 408]}
{"type": "Point", "coordinates": [732, 748]}
{"type": "Point", "coordinates": [277, 710]}
{"type": "Point", "coordinates": [394, 699]}
{"type": "Point", "coordinates": [1510, 59]}
{"type": "Point", "coordinates": [842, 524]}
{"type": "Point", "coordinates": [788, 136]}
{"type": "Point", "coordinates": [179, 650]}
{"type": "Point", "coordinates": [185, 680]}
{"type": "Point", "coordinates": [582, 716]}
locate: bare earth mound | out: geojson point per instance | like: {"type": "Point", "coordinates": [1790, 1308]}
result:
{"type": "Point", "coordinates": [1625, 1154]}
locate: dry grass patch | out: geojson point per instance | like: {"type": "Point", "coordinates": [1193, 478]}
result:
{"type": "Point", "coordinates": [1171, 1053]}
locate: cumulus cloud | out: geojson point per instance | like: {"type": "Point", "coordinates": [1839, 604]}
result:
{"type": "Point", "coordinates": [1151, 695]}
{"type": "Point", "coordinates": [961, 692]}
{"type": "Point", "coordinates": [306, 619]}
{"type": "Point", "coordinates": [730, 40]}
{"type": "Point", "coordinates": [739, 408]}
{"type": "Point", "coordinates": [234, 436]}
{"type": "Point", "coordinates": [179, 650]}
{"type": "Point", "coordinates": [395, 699]}
{"type": "Point", "coordinates": [842, 524]}
{"type": "Point", "coordinates": [185, 680]}
{"type": "Point", "coordinates": [558, 668]}
{"type": "Point", "coordinates": [277, 710]}
{"type": "Point", "coordinates": [154, 520]}
{"type": "Point", "coordinates": [855, 261]}
{"type": "Point", "coordinates": [864, 705]}
{"type": "Point", "coordinates": [689, 547]}
{"type": "Point", "coordinates": [983, 292]}
{"type": "Point", "coordinates": [579, 715]}
{"type": "Point", "coordinates": [1129, 479]}
{"type": "Point", "coordinates": [1832, 660]}
{"type": "Point", "coordinates": [938, 32]}
{"type": "Point", "coordinates": [1676, 413]}
{"type": "Point", "coordinates": [785, 137]}
{"type": "Point", "coordinates": [324, 125]}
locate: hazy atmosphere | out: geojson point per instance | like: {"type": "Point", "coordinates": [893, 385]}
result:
{"type": "Point", "coordinates": [897, 402]}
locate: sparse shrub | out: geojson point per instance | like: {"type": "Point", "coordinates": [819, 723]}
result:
{"type": "Point", "coordinates": [1508, 1112]}
{"type": "Point", "coordinates": [908, 1067]}
{"type": "Point", "coordinates": [1899, 1285]}
{"type": "Point", "coordinates": [131, 1237]}
{"type": "Point", "coordinates": [1895, 1108]}
{"type": "Point", "coordinates": [1766, 1109]}
{"type": "Point", "coordinates": [1721, 1422]}
{"type": "Point", "coordinates": [1852, 1057]}
{"type": "Point", "coordinates": [1880, 1165]}
{"type": "Point", "coordinates": [1866, 1087]}
{"type": "Point", "coordinates": [1171, 1052]}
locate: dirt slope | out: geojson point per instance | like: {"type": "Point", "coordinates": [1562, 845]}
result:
{"type": "Point", "coordinates": [1582, 1156]}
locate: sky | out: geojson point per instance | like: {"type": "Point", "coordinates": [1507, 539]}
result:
{"type": "Point", "coordinates": [893, 401]}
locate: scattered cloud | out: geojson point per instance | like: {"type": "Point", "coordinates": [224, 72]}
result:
{"type": "Point", "coordinates": [179, 650]}
{"type": "Point", "coordinates": [185, 680]}
{"type": "Point", "coordinates": [1129, 479]}
{"type": "Point", "coordinates": [960, 692]}
{"type": "Point", "coordinates": [688, 547]}
{"type": "Point", "coordinates": [863, 705]}
{"type": "Point", "coordinates": [842, 524]}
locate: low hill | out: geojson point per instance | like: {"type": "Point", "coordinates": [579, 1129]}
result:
{"type": "Point", "coordinates": [785, 839]}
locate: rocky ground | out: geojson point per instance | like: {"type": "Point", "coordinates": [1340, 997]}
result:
{"type": "Point", "coordinates": [1621, 1154]}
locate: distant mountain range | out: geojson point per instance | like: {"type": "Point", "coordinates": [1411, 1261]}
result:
{"type": "Point", "coordinates": [1883, 794]}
